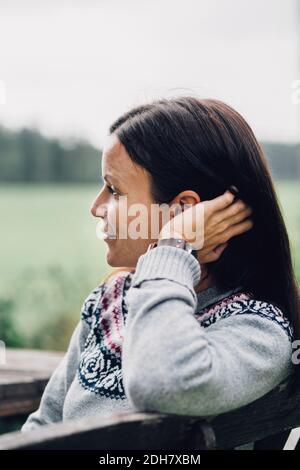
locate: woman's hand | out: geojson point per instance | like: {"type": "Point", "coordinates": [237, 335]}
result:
{"type": "Point", "coordinates": [209, 225]}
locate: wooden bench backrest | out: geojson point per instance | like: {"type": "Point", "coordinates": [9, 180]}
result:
{"type": "Point", "coordinates": [276, 412]}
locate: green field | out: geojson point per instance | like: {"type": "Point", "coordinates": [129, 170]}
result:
{"type": "Point", "coordinates": [51, 258]}
{"type": "Point", "coordinates": [289, 197]}
{"type": "Point", "coordinates": [50, 261]}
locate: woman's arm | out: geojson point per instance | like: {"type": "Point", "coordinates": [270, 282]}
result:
{"type": "Point", "coordinates": [52, 402]}
{"type": "Point", "coordinates": [172, 364]}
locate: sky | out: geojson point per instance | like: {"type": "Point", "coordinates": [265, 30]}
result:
{"type": "Point", "coordinates": [69, 68]}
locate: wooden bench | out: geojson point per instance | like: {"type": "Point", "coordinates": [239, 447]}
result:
{"type": "Point", "coordinates": [267, 422]}
{"type": "Point", "coordinates": [23, 378]}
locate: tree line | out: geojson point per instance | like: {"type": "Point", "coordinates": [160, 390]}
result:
{"type": "Point", "coordinates": [28, 156]}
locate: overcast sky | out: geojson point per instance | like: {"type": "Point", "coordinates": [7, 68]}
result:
{"type": "Point", "coordinates": [71, 67]}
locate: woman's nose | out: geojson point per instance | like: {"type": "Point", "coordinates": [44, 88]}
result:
{"type": "Point", "coordinates": [98, 209]}
{"type": "Point", "coordinates": [93, 209]}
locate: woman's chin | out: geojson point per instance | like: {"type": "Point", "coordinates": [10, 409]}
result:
{"type": "Point", "coordinates": [116, 255]}
{"type": "Point", "coordinates": [111, 255]}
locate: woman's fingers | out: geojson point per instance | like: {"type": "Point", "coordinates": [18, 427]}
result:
{"type": "Point", "coordinates": [220, 202]}
{"type": "Point", "coordinates": [225, 235]}
{"type": "Point", "coordinates": [236, 229]}
{"type": "Point", "coordinates": [230, 211]}
{"type": "Point", "coordinates": [239, 216]}
{"type": "Point", "coordinates": [218, 250]}
{"type": "Point", "coordinates": [226, 218]}
{"type": "Point", "coordinates": [213, 254]}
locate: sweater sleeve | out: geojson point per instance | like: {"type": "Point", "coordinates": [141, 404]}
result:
{"type": "Point", "coordinates": [171, 364]}
{"type": "Point", "coordinates": [52, 401]}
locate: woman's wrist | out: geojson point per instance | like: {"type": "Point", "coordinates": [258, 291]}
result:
{"type": "Point", "coordinates": [167, 233]}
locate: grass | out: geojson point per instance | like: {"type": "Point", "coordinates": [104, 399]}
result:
{"type": "Point", "coordinates": [289, 198]}
{"type": "Point", "coordinates": [50, 261]}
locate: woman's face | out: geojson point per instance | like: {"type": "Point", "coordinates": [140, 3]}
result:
{"type": "Point", "coordinates": [126, 184]}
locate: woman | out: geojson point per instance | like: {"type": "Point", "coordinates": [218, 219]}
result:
{"type": "Point", "coordinates": [178, 332]}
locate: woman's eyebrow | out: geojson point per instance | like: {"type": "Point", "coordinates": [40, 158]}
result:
{"type": "Point", "coordinates": [113, 181]}
{"type": "Point", "coordinates": [109, 178]}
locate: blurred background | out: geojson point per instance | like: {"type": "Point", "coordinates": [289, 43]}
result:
{"type": "Point", "coordinates": [67, 70]}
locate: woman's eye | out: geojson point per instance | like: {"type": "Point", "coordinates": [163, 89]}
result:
{"type": "Point", "coordinates": [112, 190]}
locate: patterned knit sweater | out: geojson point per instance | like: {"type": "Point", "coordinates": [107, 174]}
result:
{"type": "Point", "coordinates": [147, 341]}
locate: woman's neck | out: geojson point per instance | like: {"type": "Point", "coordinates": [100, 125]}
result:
{"type": "Point", "coordinates": [206, 280]}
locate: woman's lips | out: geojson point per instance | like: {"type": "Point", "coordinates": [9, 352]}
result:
{"type": "Point", "coordinates": [102, 231]}
{"type": "Point", "coordinates": [107, 235]}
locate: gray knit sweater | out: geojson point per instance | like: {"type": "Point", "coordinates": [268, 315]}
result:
{"type": "Point", "coordinates": [146, 341]}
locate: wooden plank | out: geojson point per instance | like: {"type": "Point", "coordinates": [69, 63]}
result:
{"type": "Point", "coordinates": [23, 378]}
{"type": "Point", "coordinates": [22, 406]}
{"type": "Point", "coordinates": [27, 372]}
{"type": "Point", "coordinates": [274, 442]}
{"type": "Point", "coordinates": [31, 361]}
{"type": "Point", "coordinates": [122, 431]}
{"type": "Point", "coordinates": [276, 412]}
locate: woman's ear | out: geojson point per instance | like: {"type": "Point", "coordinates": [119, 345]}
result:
{"type": "Point", "coordinates": [190, 198]}
{"type": "Point", "coordinates": [186, 198]}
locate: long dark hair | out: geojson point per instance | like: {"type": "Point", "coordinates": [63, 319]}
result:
{"type": "Point", "coordinates": [206, 146]}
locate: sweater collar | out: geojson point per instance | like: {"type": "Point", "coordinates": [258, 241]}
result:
{"type": "Point", "coordinates": [213, 294]}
